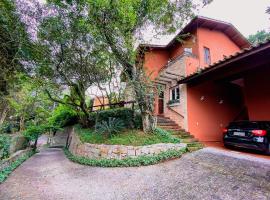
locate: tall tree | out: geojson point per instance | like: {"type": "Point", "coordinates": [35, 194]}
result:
{"type": "Point", "coordinates": [118, 23]}
{"type": "Point", "coordinates": [14, 47]}
{"type": "Point", "coordinates": [259, 37]}
{"type": "Point", "coordinates": [69, 56]}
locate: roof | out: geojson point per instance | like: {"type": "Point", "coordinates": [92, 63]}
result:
{"type": "Point", "coordinates": [230, 60]}
{"type": "Point", "coordinates": [212, 24]}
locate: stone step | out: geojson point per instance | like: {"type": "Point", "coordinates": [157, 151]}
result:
{"type": "Point", "coordinates": [170, 127]}
{"type": "Point", "coordinates": [189, 140]}
{"type": "Point", "coordinates": [165, 123]}
{"type": "Point", "coordinates": [195, 144]}
{"type": "Point", "coordinates": [191, 149]}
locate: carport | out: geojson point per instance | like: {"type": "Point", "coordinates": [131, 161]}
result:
{"type": "Point", "coordinates": [235, 88]}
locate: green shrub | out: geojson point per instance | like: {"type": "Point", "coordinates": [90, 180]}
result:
{"type": "Point", "coordinates": [124, 114]}
{"type": "Point", "coordinates": [4, 146]}
{"type": "Point", "coordinates": [166, 134]}
{"type": "Point", "coordinates": [63, 116]}
{"type": "Point", "coordinates": [33, 132]}
{"type": "Point", "coordinates": [127, 162]}
{"type": "Point", "coordinates": [110, 127]}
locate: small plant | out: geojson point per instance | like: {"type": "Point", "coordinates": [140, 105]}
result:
{"type": "Point", "coordinates": [110, 127]}
{"type": "Point", "coordinates": [4, 146]}
{"type": "Point", "coordinates": [166, 134]}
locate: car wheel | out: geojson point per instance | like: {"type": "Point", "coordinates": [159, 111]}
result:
{"type": "Point", "coordinates": [227, 146]}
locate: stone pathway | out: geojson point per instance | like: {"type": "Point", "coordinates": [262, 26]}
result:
{"type": "Point", "coordinates": [204, 174]}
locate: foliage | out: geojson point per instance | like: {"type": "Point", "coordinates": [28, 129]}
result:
{"type": "Point", "coordinates": [127, 162]}
{"type": "Point", "coordinates": [110, 127]}
{"type": "Point", "coordinates": [8, 170]}
{"type": "Point", "coordinates": [166, 134]}
{"type": "Point", "coordinates": [127, 116]}
{"type": "Point", "coordinates": [14, 45]}
{"type": "Point", "coordinates": [62, 116]}
{"type": "Point", "coordinates": [29, 103]}
{"type": "Point", "coordinates": [33, 132]}
{"type": "Point", "coordinates": [259, 37]}
{"type": "Point", "coordinates": [4, 146]}
{"type": "Point", "coordinates": [126, 137]}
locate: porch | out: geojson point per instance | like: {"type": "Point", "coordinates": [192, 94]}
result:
{"type": "Point", "coordinates": [236, 88]}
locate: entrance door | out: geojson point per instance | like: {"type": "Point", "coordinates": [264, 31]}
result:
{"type": "Point", "coordinates": [161, 103]}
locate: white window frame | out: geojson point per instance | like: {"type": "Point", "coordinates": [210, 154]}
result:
{"type": "Point", "coordinates": [176, 96]}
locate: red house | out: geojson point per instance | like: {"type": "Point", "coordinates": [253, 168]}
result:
{"type": "Point", "coordinates": [210, 79]}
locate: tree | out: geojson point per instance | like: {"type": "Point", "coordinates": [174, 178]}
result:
{"type": "Point", "coordinates": [259, 37]}
{"type": "Point", "coordinates": [29, 103]}
{"type": "Point", "coordinates": [14, 45]}
{"type": "Point", "coordinates": [69, 56]}
{"type": "Point", "coordinates": [118, 23]}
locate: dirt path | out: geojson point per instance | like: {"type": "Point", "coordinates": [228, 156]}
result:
{"type": "Point", "coordinates": [205, 174]}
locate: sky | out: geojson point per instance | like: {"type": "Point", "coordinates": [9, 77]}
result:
{"type": "Point", "coordinates": [248, 16]}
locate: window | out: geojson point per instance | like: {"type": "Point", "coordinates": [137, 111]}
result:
{"type": "Point", "coordinates": [188, 50]}
{"type": "Point", "coordinates": [175, 93]}
{"type": "Point", "coordinates": [207, 57]}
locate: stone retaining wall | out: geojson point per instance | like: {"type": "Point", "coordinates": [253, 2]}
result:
{"type": "Point", "coordinates": [6, 162]}
{"type": "Point", "coordinates": [98, 151]}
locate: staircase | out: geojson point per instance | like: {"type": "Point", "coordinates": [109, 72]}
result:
{"type": "Point", "coordinates": [167, 124]}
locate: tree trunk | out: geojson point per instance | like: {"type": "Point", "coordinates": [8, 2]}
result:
{"type": "Point", "coordinates": [3, 114]}
{"type": "Point", "coordinates": [21, 123]}
{"type": "Point", "coordinates": [145, 101]}
{"type": "Point", "coordinates": [149, 122]}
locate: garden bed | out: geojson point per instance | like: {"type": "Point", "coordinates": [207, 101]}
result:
{"type": "Point", "coordinates": [132, 144]}
{"type": "Point", "coordinates": [131, 137]}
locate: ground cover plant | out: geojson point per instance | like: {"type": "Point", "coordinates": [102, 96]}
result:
{"type": "Point", "coordinates": [127, 162]}
{"type": "Point", "coordinates": [9, 169]}
{"type": "Point", "coordinates": [132, 137]}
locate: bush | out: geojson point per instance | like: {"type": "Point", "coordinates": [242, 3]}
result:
{"type": "Point", "coordinates": [110, 127]}
{"type": "Point", "coordinates": [33, 132]}
{"type": "Point", "coordinates": [124, 114]}
{"type": "Point", "coordinates": [63, 116]}
{"type": "Point", "coordinates": [166, 134]}
{"type": "Point", "coordinates": [4, 146]}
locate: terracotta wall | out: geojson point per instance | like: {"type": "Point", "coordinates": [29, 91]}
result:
{"type": "Point", "coordinates": [211, 107]}
{"type": "Point", "coordinates": [218, 43]}
{"type": "Point", "coordinates": [154, 61]}
{"type": "Point", "coordinates": [257, 94]}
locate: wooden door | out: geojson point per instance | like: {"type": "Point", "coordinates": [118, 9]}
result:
{"type": "Point", "coordinates": [161, 103]}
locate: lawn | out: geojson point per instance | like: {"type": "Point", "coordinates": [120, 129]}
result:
{"type": "Point", "coordinates": [127, 137]}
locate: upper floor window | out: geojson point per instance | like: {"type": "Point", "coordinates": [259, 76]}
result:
{"type": "Point", "coordinates": [207, 57]}
{"type": "Point", "coordinates": [175, 93]}
{"type": "Point", "coordinates": [188, 50]}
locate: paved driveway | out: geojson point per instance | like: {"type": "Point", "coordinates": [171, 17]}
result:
{"type": "Point", "coordinates": [205, 174]}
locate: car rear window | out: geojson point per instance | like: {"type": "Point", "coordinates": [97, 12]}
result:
{"type": "Point", "coordinates": [243, 125]}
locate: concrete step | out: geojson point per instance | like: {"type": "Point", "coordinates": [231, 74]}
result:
{"type": "Point", "coordinates": [195, 144]}
{"type": "Point", "coordinates": [167, 123]}
{"type": "Point", "coordinates": [189, 140]}
{"type": "Point", "coordinates": [169, 127]}
{"type": "Point", "coordinates": [191, 149]}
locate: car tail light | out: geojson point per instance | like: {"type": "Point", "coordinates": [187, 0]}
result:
{"type": "Point", "coordinates": [225, 130]}
{"type": "Point", "coordinates": [259, 132]}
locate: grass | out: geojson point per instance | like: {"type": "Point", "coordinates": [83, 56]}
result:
{"type": "Point", "coordinates": [127, 162]}
{"type": "Point", "coordinates": [127, 137]}
{"type": "Point", "coordinates": [9, 169]}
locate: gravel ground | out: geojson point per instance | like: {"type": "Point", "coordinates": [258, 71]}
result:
{"type": "Point", "coordinates": [205, 174]}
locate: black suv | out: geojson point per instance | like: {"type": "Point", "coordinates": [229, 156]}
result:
{"type": "Point", "coordinates": [248, 134]}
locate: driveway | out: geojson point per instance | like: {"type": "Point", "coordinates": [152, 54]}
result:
{"type": "Point", "coordinates": [206, 174]}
